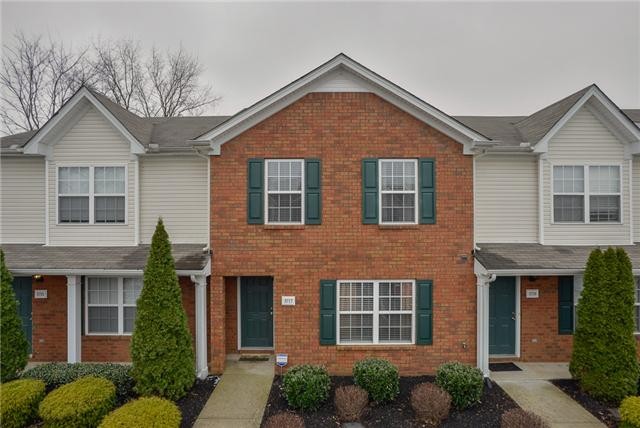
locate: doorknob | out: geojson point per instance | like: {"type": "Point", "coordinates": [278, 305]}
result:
{"type": "Point", "coordinates": [513, 316]}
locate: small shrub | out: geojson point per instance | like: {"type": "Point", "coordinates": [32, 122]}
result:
{"type": "Point", "coordinates": [430, 403]}
{"type": "Point", "coordinates": [82, 403]}
{"type": "Point", "coordinates": [14, 347]}
{"type": "Point", "coordinates": [518, 418]}
{"type": "Point", "coordinates": [306, 386]}
{"type": "Point", "coordinates": [350, 401]}
{"type": "Point", "coordinates": [378, 377]}
{"type": "Point", "coordinates": [146, 412]}
{"type": "Point", "coordinates": [58, 374]}
{"type": "Point", "coordinates": [463, 382]}
{"type": "Point", "coordinates": [630, 412]}
{"type": "Point", "coordinates": [19, 403]}
{"type": "Point", "coordinates": [284, 420]}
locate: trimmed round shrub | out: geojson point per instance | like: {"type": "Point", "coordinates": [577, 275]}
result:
{"type": "Point", "coordinates": [630, 412]}
{"type": "Point", "coordinates": [518, 418]}
{"type": "Point", "coordinates": [19, 403]}
{"type": "Point", "coordinates": [306, 386]}
{"type": "Point", "coordinates": [378, 377]}
{"type": "Point", "coordinates": [463, 382]}
{"type": "Point", "coordinates": [82, 403]}
{"type": "Point", "coordinates": [14, 347]}
{"type": "Point", "coordinates": [350, 401]}
{"type": "Point", "coordinates": [430, 403]}
{"type": "Point", "coordinates": [284, 420]}
{"type": "Point", "coordinates": [146, 412]}
{"type": "Point", "coordinates": [58, 374]}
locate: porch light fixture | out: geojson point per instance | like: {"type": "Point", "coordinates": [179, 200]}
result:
{"type": "Point", "coordinates": [38, 278]}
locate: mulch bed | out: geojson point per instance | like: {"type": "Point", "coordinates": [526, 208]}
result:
{"type": "Point", "coordinates": [597, 408]}
{"type": "Point", "coordinates": [398, 413]}
{"type": "Point", "coordinates": [191, 404]}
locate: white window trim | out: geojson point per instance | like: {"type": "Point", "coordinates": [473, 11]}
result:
{"type": "Point", "coordinates": [267, 192]}
{"type": "Point", "coordinates": [376, 313]}
{"type": "Point", "coordinates": [121, 305]}
{"type": "Point", "coordinates": [408, 192]}
{"type": "Point", "coordinates": [636, 282]}
{"type": "Point", "coordinates": [587, 193]}
{"type": "Point", "coordinates": [92, 194]}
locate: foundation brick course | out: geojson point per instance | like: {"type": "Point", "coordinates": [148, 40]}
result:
{"type": "Point", "coordinates": [341, 129]}
{"type": "Point", "coordinates": [50, 325]}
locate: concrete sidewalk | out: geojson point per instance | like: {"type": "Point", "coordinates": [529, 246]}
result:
{"type": "Point", "coordinates": [240, 397]}
{"type": "Point", "coordinates": [532, 390]}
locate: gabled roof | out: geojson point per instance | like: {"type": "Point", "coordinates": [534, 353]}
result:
{"type": "Point", "coordinates": [388, 90]}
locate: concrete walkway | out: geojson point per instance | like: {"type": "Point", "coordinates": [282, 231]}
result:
{"type": "Point", "coordinates": [532, 390]}
{"type": "Point", "coordinates": [240, 397]}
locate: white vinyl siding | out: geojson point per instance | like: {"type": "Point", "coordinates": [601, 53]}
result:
{"type": "Point", "coordinates": [636, 198]}
{"type": "Point", "coordinates": [584, 140]}
{"type": "Point", "coordinates": [22, 201]}
{"type": "Point", "coordinates": [92, 141]}
{"type": "Point", "coordinates": [506, 199]}
{"type": "Point", "coordinates": [174, 188]}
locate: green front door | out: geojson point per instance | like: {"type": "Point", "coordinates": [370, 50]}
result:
{"type": "Point", "coordinates": [502, 316]}
{"type": "Point", "coordinates": [22, 289]}
{"type": "Point", "coordinates": [256, 309]}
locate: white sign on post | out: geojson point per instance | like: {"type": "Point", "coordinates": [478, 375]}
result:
{"type": "Point", "coordinates": [288, 300]}
{"type": "Point", "coordinates": [281, 360]}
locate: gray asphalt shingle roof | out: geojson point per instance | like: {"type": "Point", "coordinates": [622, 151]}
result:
{"type": "Point", "coordinates": [542, 257]}
{"type": "Point", "coordinates": [38, 257]}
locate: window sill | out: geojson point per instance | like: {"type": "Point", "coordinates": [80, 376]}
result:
{"type": "Point", "coordinates": [283, 226]}
{"type": "Point", "coordinates": [399, 347]}
{"type": "Point", "coordinates": [398, 226]}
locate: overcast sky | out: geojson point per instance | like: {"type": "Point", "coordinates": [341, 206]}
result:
{"type": "Point", "coordinates": [465, 58]}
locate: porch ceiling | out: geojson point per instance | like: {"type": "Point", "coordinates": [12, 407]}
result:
{"type": "Point", "coordinates": [513, 257]}
{"type": "Point", "coordinates": [37, 257]}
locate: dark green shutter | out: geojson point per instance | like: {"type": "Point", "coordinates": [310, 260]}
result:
{"type": "Point", "coordinates": [370, 191]}
{"type": "Point", "coordinates": [313, 196]}
{"type": "Point", "coordinates": [565, 305]}
{"type": "Point", "coordinates": [328, 312]}
{"type": "Point", "coordinates": [427, 183]}
{"type": "Point", "coordinates": [255, 191]}
{"type": "Point", "coordinates": [424, 312]}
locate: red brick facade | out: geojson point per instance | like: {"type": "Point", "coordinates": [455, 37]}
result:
{"type": "Point", "coordinates": [539, 338]}
{"type": "Point", "coordinates": [50, 325]}
{"type": "Point", "coordinates": [341, 129]}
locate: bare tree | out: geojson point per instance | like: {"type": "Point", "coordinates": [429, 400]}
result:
{"type": "Point", "coordinates": [36, 78]}
{"type": "Point", "coordinates": [173, 88]}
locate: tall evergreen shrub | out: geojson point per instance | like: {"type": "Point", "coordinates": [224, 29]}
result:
{"type": "Point", "coordinates": [604, 347]}
{"type": "Point", "coordinates": [161, 349]}
{"type": "Point", "coordinates": [14, 347]}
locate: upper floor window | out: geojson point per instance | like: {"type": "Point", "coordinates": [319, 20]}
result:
{"type": "Point", "coordinates": [398, 191]}
{"type": "Point", "coordinates": [285, 191]}
{"type": "Point", "coordinates": [91, 194]}
{"type": "Point", "coordinates": [586, 194]}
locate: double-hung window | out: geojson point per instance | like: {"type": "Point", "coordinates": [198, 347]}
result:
{"type": "Point", "coordinates": [91, 194]}
{"type": "Point", "coordinates": [398, 191]}
{"type": "Point", "coordinates": [376, 312]}
{"type": "Point", "coordinates": [586, 194]}
{"type": "Point", "coordinates": [285, 185]}
{"type": "Point", "coordinates": [111, 304]}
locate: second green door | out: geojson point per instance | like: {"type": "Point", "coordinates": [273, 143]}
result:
{"type": "Point", "coordinates": [256, 309]}
{"type": "Point", "coordinates": [502, 316]}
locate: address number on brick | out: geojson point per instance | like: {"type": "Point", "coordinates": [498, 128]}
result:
{"type": "Point", "coordinates": [288, 300]}
{"type": "Point", "coordinates": [533, 294]}
{"type": "Point", "coordinates": [40, 294]}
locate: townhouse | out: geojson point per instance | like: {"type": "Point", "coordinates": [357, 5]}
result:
{"type": "Point", "coordinates": [337, 218]}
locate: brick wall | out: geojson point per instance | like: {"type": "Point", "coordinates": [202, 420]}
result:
{"type": "Point", "coordinates": [539, 340]}
{"type": "Point", "coordinates": [50, 325]}
{"type": "Point", "coordinates": [341, 129]}
{"type": "Point", "coordinates": [231, 314]}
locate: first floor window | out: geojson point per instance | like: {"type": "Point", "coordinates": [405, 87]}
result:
{"type": "Point", "coordinates": [375, 312]}
{"type": "Point", "coordinates": [111, 304]}
{"type": "Point", "coordinates": [637, 308]}
{"type": "Point", "coordinates": [577, 291]}
{"type": "Point", "coordinates": [284, 190]}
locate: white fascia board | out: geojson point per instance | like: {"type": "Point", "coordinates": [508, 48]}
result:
{"type": "Point", "coordinates": [104, 272]}
{"type": "Point", "coordinates": [295, 90]}
{"type": "Point", "coordinates": [36, 145]}
{"type": "Point", "coordinates": [622, 123]}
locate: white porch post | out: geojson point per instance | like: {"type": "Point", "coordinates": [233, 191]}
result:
{"type": "Point", "coordinates": [74, 311]}
{"type": "Point", "coordinates": [482, 319]}
{"type": "Point", "coordinates": [200, 282]}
